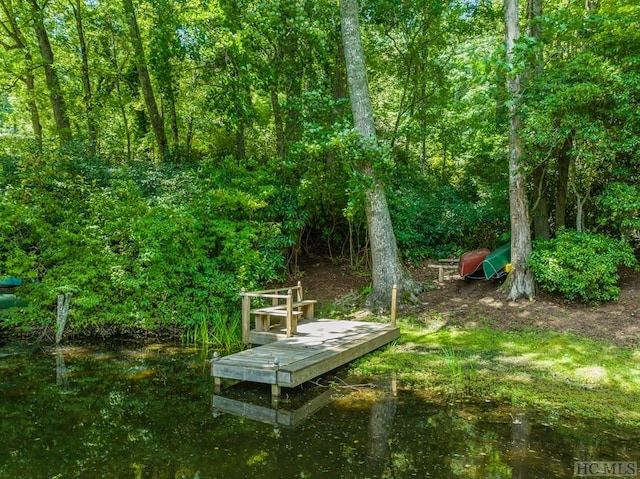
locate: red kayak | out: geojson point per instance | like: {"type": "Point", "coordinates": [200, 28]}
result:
{"type": "Point", "coordinates": [470, 264]}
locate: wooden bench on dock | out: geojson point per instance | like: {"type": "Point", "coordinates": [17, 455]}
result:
{"type": "Point", "coordinates": [287, 304]}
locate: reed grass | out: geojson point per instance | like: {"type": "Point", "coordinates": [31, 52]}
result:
{"type": "Point", "coordinates": [214, 329]}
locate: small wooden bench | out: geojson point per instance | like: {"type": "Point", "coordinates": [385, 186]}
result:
{"type": "Point", "coordinates": [286, 303]}
{"type": "Point", "coordinates": [443, 264]}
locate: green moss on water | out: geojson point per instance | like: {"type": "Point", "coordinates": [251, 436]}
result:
{"type": "Point", "coordinates": [577, 376]}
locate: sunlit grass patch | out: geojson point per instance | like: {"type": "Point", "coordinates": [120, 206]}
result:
{"type": "Point", "coordinates": [543, 369]}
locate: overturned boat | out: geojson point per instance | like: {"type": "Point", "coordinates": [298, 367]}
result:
{"type": "Point", "coordinates": [470, 264]}
{"type": "Point", "coordinates": [494, 265]}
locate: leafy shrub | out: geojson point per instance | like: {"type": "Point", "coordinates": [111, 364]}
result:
{"type": "Point", "coordinates": [166, 247]}
{"type": "Point", "coordinates": [580, 265]}
{"type": "Point", "coordinates": [620, 209]}
{"type": "Point", "coordinates": [432, 220]}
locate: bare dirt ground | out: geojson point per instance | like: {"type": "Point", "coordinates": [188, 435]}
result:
{"type": "Point", "coordinates": [471, 303]}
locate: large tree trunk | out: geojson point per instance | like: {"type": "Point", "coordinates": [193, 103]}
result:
{"type": "Point", "coordinates": [387, 269]}
{"type": "Point", "coordinates": [86, 80]}
{"type": "Point", "coordinates": [145, 80]}
{"type": "Point", "coordinates": [58, 105]}
{"type": "Point", "coordinates": [520, 281]}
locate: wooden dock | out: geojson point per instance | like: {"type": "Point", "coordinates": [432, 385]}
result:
{"type": "Point", "coordinates": [319, 346]}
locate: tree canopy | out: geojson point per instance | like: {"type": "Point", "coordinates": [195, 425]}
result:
{"type": "Point", "coordinates": [156, 155]}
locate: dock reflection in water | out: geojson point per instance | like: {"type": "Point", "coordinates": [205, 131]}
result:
{"type": "Point", "coordinates": [278, 413]}
{"type": "Point", "coordinates": [252, 402]}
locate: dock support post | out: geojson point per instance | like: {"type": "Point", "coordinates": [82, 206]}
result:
{"type": "Point", "coordinates": [275, 388]}
{"type": "Point", "coordinates": [246, 316]}
{"type": "Point", "coordinates": [275, 392]}
{"type": "Point", "coordinates": [217, 380]}
{"type": "Point", "coordinates": [291, 327]}
{"type": "Point", "coordinates": [394, 302]}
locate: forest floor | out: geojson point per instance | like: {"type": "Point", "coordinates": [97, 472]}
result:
{"type": "Point", "coordinates": [477, 303]}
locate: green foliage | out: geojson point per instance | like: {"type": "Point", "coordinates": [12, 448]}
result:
{"type": "Point", "coordinates": [580, 265]}
{"type": "Point", "coordinates": [433, 220]}
{"type": "Point", "coordinates": [168, 250]}
{"type": "Point", "coordinates": [540, 369]}
{"type": "Point", "coordinates": [620, 209]}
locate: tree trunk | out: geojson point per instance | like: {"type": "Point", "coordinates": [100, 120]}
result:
{"type": "Point", "coordinates": [564, 161]}
{"type": "Point", "coordinates": [29, 81]}
{"type": "Point", "coordinates": [541, 229]}
{"type": "Point", "coordinates": [58, 105]}
{"type": "Point", "coordinates": [294, 92]}
{"type": "Point", "coordinates": [581, 199]}
{"type": "Point", "coordinates": [387, 269]}
{"type": "Point", "coordinates": [520, 281]}
{"type": "Point", "coordinates": [241, 149]}
{"type": "Point", "coordinates": [12, 29]}
{"type": "Point", "coordinates": [338, 90]}
{"type": "Point", "coordinates": [86, 80]}
{"type": "Point", "coordinates": [123, 111]}
{"type": "Point", "coordinates": [173, 114]}
{"type": "Point", "coordinates": [145, 80]}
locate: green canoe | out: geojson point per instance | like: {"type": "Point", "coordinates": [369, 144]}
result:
{"type": "Point", "coordinates": [494, 263]}
{"type": "Point", "coordinates": [7, 298]}
{"type": "Point", "coordinates": [10, 301]}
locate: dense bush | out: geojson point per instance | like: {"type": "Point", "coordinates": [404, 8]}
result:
{"type": "Point", "coordinates": [138, 247]}
{"type": "Point", "coordinates": [433, 220]}
{"type": "Point", "coordinates": [620, 210]}
{"type": "Point", "coordinates": [580, 265]}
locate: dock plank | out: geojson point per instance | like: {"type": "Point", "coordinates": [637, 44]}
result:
{"type": "Point", "coordinates": [320, 346]}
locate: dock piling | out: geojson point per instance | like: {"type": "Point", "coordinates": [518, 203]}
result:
{"type": "Point", "coordinates": [394, 303]}
{"type": "Point", "coordinates": [275, 388]}
{"type": "Point", "coordinates": [217, 380]}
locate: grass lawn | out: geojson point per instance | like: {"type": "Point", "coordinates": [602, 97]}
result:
{"type": "Point", "coordinates": [548, 370]}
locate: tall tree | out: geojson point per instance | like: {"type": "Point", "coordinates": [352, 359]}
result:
{"type": "Point", "coordinates": [520, 280]}
{"type": "Point", "coordinates": [164, 47]}
{"type": "Point", "coordinates": [387, 269]}
{"type": "Point", "coordinates": [77, 7]}
{"type": "Point", "coordinates": [144, 78]}
{"type": "Point", "coordinates": [540, 176]}
{"type": "Point", "coordinates": [9, 25]}
{"type": "Point", "coordinates": [58, 104]}
{"type": "Point", "coordinates": [117, 79]}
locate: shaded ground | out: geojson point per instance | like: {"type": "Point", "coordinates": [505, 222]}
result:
{"type": "Point", "coordinates": [471, 303]}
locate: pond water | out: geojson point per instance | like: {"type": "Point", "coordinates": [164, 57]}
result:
{"type": "Point", "coordinates": [151, 412]}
